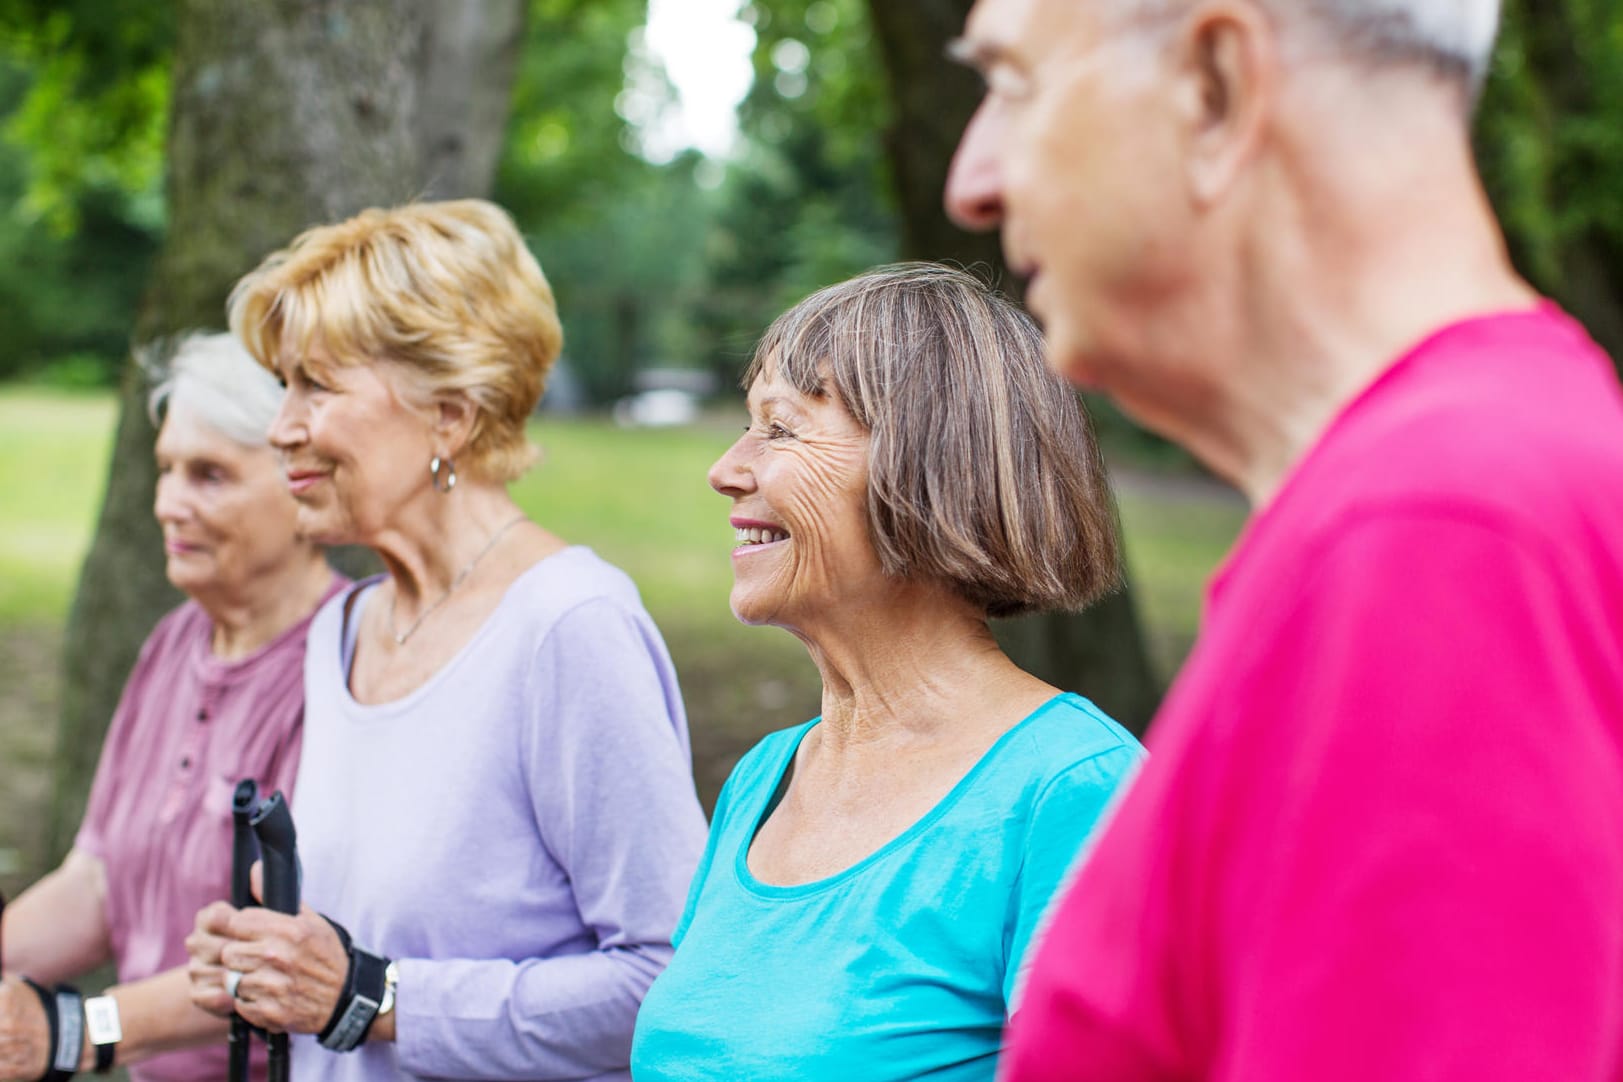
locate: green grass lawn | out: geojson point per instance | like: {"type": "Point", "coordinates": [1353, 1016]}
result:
{"type": "Point", "coordinates": [53, 459]}
{"type": "Point", "coordinates": [638, 497]}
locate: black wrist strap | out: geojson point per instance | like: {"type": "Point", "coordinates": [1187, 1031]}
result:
{"type": "Point", "coordinates": [349, 982]}
{"type": "Point", "coordinates": [358, 1004]}
{"type": "Point", "coordinates": [65, 1021]}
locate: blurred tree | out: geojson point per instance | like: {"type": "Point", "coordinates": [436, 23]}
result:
{"type": "Point", "coordinates": [1550, 139]}
{"type": "Point", "coordinates": [1100, 652]}
{"type": "Point", "coordinates": [282, 113]}
{"type": "Point", "coordinates": [807, 200]}
{"type": "Point", "coordinates": [619, 235]}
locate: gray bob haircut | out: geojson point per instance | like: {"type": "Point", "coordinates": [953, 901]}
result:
{"type": "Point", "coordinates": [982, 467]}
{"type": "Point", "coordinates": [216, 379]}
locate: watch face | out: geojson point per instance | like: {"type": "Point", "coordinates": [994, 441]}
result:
{"type": "Point", "coordinates": [101, 1019]}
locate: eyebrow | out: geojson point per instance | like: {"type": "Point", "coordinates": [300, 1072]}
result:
{"type": "Point", "coordinates": [971, 54]}
{"type": "Point", "coordinates": [773, 400]}
{"type": "Point", "coordinates": [979, 55]}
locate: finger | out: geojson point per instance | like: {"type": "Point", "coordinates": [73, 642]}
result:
{"type": "Point", "coordinates": [204, 946]}
{"type": "Point", "coordinates": [214, 918]}
{"type": "Point", "coordinates": [260, 923]}
{"type": "Point", "coordinates": [268, 999]}
{"type": "Point", "coordinates": [247, 955]}
{"type": "Point", "coordinates": [208, 994]}
{"type": "Point", "coordinates": [256, 881]}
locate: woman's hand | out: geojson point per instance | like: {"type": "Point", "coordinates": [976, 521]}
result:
{"type": "Point", "coordinates": [293, 968]}
{"type": "Point", "coordinates": [209, 936]}
{"type": "Point", "coordinates": [25, 1033]}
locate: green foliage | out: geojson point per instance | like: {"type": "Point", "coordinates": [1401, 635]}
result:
{"type": "Point", "coordinates": [1551, 129]}
{"type": "Point", "coordinates": [1550, 141]}
{"type": "Point", "coordinates": [83, 90]}
{"type": "Point", "coordinates": [567, 157]}
{"type": "Point", "coordinates": [807, 202]}
{"type": "Point", "coordinates": [93, 114]}
{"type": "Point", "coordinates": [619, 237]}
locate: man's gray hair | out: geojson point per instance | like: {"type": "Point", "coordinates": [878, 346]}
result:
{"type": "Point", "coordinates": [1453, 38]}
{"type": "Point", "coordinates": [220, 384]}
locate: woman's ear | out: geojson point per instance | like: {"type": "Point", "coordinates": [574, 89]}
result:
{"type": "Point", "coordinates": [456, 419]}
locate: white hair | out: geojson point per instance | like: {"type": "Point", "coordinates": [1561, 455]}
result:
{"type": "Point", "coordinates": [1453, 38]}
{"type": "Point", "coordinates": [219, 383]}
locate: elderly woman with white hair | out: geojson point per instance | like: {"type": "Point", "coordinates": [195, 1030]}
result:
{"type": "Point", "coordinates": [214, 697]}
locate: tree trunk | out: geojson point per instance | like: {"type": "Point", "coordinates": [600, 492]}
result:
{"type": "Point", "coordinates": [284, 113]}
{"type": "Point", "coordinates": [1101, 652]}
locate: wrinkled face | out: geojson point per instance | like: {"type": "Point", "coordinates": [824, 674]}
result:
{"type": "Point", "coordinates": [798, 479]}
{"type": "Point", "coordinates": [354, 450]}
{"type": "Point", "coordinates": [224, 509]}
{"type": "Point", "coordinates": [1072, 154]}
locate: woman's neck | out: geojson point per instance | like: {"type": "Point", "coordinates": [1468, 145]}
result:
{"type": "Point", "coordinates": [257, 617]}
{"type": "Point", "coordinates": [914, 668]}
{"type": "Point", "coordinates": [433, 542]}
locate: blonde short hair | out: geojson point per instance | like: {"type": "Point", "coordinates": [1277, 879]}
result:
{"type": "Point", "coordinates": [447, 292]}
{"type": "Point", "coordinates": [983, 471]}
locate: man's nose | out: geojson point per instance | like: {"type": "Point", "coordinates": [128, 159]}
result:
{"type": "Point", "coordinates": [974, 196]}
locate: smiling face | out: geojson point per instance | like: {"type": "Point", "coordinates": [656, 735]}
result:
{"type": "Point", "coordinates": [224, 509]}
{"type": "Point", "coordinates": [1073, 153]}
{"type": "Point", "coordinates": [354, 450]}
{"type": "Point", "coordinates": [798, 479]}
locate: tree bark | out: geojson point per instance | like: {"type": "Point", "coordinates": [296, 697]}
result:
{"type": "Point", "coordinates": [1099, 653]}
{"type": "Point", "coordinates": [284, 113]}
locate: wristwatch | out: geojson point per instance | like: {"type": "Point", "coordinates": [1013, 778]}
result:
{"type": "Point", "coordinates": [103, 1027]}
{"type": "Point", "coordinates": [391, 977]}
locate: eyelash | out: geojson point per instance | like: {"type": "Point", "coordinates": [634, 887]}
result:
{"type": "Point", "coordinates": [773, 431]}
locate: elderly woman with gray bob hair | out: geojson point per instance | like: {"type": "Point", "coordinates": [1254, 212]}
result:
{"type": "Point", "coordinates": [874, 877]}
{"type": "Point", "coordinates": [214, 697]}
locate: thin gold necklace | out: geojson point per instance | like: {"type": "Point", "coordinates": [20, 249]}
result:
{"type": "Point", "coordinates": [400, 637]}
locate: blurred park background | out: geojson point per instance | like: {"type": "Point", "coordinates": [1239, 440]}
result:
{"type": "Point", "coordinates": [153, 150]}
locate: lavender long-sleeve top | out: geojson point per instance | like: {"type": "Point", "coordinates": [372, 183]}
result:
{"type": "Point", "coordinates": [518, 833]}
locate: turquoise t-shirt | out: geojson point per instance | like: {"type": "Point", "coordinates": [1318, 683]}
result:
{"type": "Point", "coordinates": [903, 965]}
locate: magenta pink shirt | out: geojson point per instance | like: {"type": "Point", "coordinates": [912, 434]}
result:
{"type": "Point", "coordinates": [188, 727]}
{"type": "Point", "coordinates": [1380, 832]}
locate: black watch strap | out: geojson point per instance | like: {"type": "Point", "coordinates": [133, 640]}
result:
{"type": "Point", "coordinates": [353, 1018]}
{"type": "Point", "coordinates": [358, 1004]}
{"type": "Point", "coordinates": [102, 1030]}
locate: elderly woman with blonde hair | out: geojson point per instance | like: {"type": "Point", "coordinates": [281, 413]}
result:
{"type": "Point", "coordinates": [874, 877]}
{"type": "Point", "coordinates": [496, 810]}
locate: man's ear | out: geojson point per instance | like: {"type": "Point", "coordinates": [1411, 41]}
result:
{"type": "Point", "coordinates": [1227, 63]}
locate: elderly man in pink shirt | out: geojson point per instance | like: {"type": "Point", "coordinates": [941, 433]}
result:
{"type": "Point", "coordinates": [1380, 833]}
{"type": "Point", "coordinates": [216, 696]}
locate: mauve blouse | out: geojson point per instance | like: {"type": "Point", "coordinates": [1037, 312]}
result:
{"type": "Point", "coordinates": [188, 727]}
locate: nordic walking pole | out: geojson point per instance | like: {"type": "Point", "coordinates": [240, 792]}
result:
{"type": "Point", "coordinates": [278, 848]}
{"type": "Point", "coordinates": [244, 849]}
